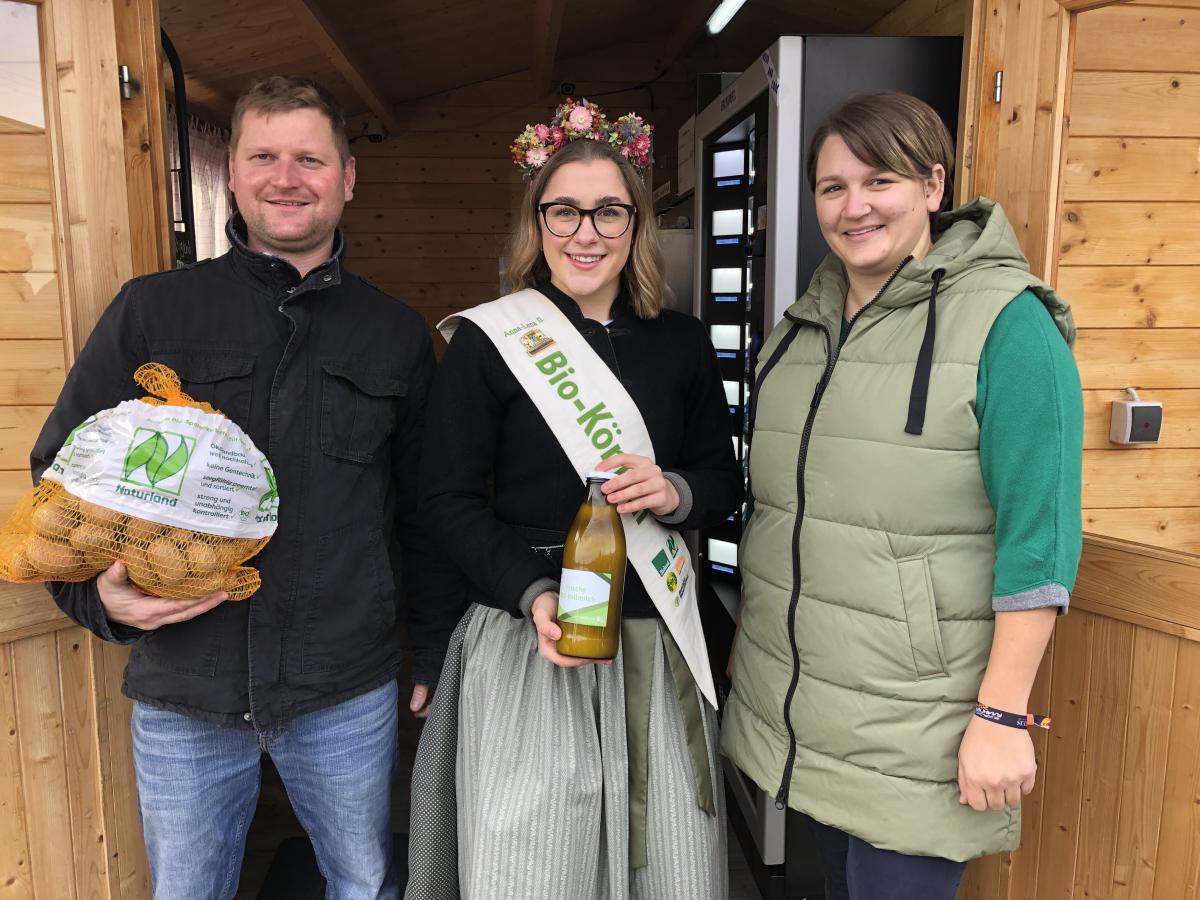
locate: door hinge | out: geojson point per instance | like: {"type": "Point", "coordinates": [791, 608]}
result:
{"type": "Point", "coordinates": [998, 86]}
{"type": "Point", "coordinates": [130, 87]}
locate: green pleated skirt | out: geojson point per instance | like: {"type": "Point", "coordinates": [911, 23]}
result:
{"type": "Point", "coordinates": [534, 781]}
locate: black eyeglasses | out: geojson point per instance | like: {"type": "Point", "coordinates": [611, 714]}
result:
{"type": "Point", "coordinates": [563, 219]}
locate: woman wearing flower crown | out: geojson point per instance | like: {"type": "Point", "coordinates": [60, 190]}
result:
{"type": "Point", "coordinates": [540, 775]}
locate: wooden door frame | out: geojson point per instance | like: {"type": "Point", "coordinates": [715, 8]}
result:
{"type": "Point", "coordinates": [124, 232]}
{"type": "Point", "coordinates": [89, 237]}
{"type": "Point", "coordinates": [1032, 115]}
{"type": "Point", "coordinates": [108, 191]}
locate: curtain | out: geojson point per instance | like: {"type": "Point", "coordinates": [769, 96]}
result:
{"type": "Point", "coordinates": [209, 147]}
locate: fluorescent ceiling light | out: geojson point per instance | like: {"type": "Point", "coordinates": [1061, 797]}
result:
{"type": "Point", "coordinates": [722, 14]}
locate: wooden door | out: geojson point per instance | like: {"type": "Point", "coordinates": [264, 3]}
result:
{"type": "Point", "coordinates": [1011, 139]}
{"type": "Point", "coordinates": [1092, 150]}
{"type": "Point", "coordinates": [82, 209]}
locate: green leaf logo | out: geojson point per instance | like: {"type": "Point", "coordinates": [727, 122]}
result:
{"type": "Point", "coordinates": [152, 463]}
{"type": "Point", "coordinates": [264, 502]}
{"type": "Point", "coordinates": [151, 453]}
{"type": "Point", "coordinates": [158, 471]}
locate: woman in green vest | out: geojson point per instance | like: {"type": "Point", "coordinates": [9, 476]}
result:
{"type": "Point", "coordinates": [915, 486]}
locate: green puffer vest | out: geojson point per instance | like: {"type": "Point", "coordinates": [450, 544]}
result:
{"type": "Point", "coordinates": [867, 563]}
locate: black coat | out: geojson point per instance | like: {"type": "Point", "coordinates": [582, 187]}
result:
{"type": "Point", "coordinates": [329, 378]}
{"type": "Point", "coordinates": [495, 482]}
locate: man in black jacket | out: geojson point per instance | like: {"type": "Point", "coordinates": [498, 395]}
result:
{"type": "Point", "coordinates": [328, 376]}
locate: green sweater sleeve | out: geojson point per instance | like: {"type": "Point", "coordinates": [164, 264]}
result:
{"type": "Point", "coordinates": [1029, 404]}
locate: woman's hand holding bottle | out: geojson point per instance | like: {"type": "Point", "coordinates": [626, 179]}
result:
{"type": "Point", "coordinates": [544, 613]}
{"type": "Point", "coordinates": [641, 486]}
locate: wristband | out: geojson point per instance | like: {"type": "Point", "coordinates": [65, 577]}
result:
{"type": "Point", "coordinates": [1012, 720]}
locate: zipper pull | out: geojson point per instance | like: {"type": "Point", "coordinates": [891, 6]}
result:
{"type": "Point", "coordinates": [781, 797]}
{"type": "Point", "coordinates": [819, 393]}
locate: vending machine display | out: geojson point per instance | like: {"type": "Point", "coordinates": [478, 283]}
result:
{"type": "Point", "coordinates": [732, 293]}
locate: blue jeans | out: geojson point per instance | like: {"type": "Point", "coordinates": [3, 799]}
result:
{"type": "Point", "coordinates": [855, 870]}
{"type": "Point", "coordinates": [198, 786]}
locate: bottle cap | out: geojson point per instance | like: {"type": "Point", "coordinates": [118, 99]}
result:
{"type": "Point", "coordinates": [597, 475]}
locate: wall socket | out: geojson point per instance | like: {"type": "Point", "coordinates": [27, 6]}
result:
{"type": "Point", "coordinates": [1135, 421]}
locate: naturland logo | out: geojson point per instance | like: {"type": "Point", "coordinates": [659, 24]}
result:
{"type": "Point", "coordinates": [157, 460]}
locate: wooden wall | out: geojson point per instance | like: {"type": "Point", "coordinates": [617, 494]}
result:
{"type": "Point", "coordinates": [434, 205]}
{"type": "Point", "coordinates": [1093, 152]}
{"type": "Point", "coordinates": [68, 810]}
{"type": "Point", "coordinates": [1129, 259]}
{"type": "Point", "coordinates": [32, 366]}
{"type": "Point", "coordinates": [32, 348]}
{"type": "Point", "coordinates": [1084, 151]}
{"type": "Point", "coordinates": [1116, 810]}
{"type": "Point", "coordinates": [31, 340]}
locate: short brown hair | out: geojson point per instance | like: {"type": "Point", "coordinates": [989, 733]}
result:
{"type": "Point", "coordinates": [642, 276]}
{"type": "Point", "coordinates": [281, 93]}
{"type": "Point", "coordinates": [891, 131]}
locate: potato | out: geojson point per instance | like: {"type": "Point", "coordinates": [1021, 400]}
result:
{"type": "Point", "coordinates": [242, 582]}
{"type": "Point", "coordinates": [156, 561]}
{"type": "Point", "coordinates": [141, 572]}
{"type": "Point", "coordinates": [246, 548]}
{"type": "Point", "coordinates": [53, 521]}
{"type": "Point", "coordinates": [102, 515]}
{"type": "Point", "coordinates": [142, 530]}
{"type": "Point", "coordinates": [167, 561]}
{"type": "Point", "coordinates": [20, 568]}
{"type": "Point", "coordinates": [96, 544]}
{"type": "Point", "coordinates": [230, 552]}
{"type": "Point", "coordinates": [202, 560]}
{"type": "Point", "coordinates": [90, 536]}
{"type": "Point", "coordinates": [54, 559]}
{"type": "Point", "coordinates": [99, 560]}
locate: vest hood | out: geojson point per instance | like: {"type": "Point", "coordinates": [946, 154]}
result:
{"type": "Point", "coordinates": [974, 240]}
{"type": "Point", "coordinates": [976, 248]}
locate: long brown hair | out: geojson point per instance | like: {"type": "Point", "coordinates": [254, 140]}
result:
{"type": "Point", "coordinates": [642, 276]}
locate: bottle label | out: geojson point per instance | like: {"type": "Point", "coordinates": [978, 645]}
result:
{"type": "Point", "coordinates": [583, 597]}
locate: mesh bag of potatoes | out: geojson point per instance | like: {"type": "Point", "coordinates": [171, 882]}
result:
{"type": "Point", "coordinates": [166, 484]}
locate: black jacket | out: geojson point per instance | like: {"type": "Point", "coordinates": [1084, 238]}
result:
{"type": "Point", "coordinates": [495, 482]}
{"type": "Point", "coordinates": [329, 377]}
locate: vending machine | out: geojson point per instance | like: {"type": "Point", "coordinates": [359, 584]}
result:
{"type": "Point", "coordinates": [757, 245]}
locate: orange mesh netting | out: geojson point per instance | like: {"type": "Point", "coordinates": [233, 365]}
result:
{"type": "Point", "coordinates": [163, 383]}
{"type": "Point", "coordinates": [54, 536]}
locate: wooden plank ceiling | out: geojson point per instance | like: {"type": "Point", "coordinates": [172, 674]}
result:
{"type": "Point", "coordinates": [375, 54]}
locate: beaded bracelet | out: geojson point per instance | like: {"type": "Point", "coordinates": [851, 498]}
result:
{"type": "Point", "coordinates": [1012, 720]}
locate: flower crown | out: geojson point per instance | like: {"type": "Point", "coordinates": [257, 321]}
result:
{"type": "Point", "coordinates": [580, 120]}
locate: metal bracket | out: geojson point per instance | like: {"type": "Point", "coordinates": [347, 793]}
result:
{"type": "Point", "coordinates": [130, 87]}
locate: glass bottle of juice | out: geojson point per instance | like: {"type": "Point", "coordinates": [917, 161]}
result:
{"type": "Point", "coordinates": [593, 577]}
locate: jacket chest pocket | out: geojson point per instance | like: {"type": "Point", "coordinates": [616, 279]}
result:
{"type": "Point", "coordinates": [359, 409]}
{"type": "Point", "coordinates": [223, 380]}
